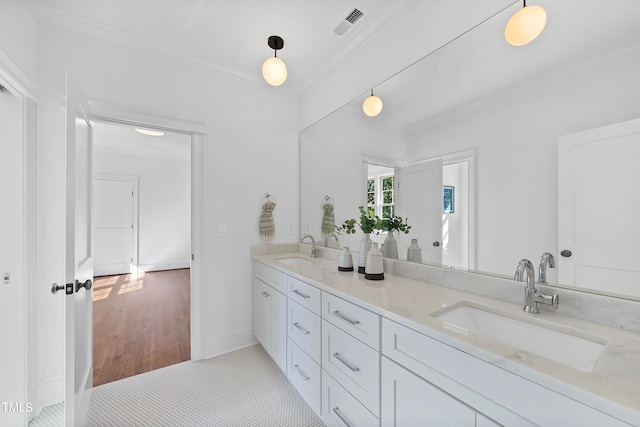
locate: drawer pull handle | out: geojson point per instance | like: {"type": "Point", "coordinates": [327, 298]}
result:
{"type": "Point", "coordinates": [340, 415]}
{"type": "Point", "coordinates": [346, 363]}
{"type": "Point", "coordinates": [265, 294]}
{"type": "Point", "coordinates": [346, 318]}
{"type": "Point", "coordinates": [301, 373]}
{"type": "Point", "coordinates": [301, 329]}
{"type": "Point", "coordinates": [295, 291]}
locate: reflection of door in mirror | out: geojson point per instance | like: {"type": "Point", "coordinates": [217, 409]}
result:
{"type": "Point", "coordinates": [445, 234]}
{"type": "Point", "coordinates": [599, 209]}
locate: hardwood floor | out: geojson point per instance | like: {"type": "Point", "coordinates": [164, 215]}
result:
{"type": "Point", "coordinates": [140, 324]}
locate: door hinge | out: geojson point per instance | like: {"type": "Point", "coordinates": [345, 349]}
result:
{"type": "Point", "coordinates": [193, 257]}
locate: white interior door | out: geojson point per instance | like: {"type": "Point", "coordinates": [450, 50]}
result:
{"type": "Point", "coordinates": [78, 260]}
{"type": "Point", "coordinates": [113, 226]}
{"type": "Point", "coordinates": [419, 199]}
{"type": "Point", "coordinates": [599, 209]}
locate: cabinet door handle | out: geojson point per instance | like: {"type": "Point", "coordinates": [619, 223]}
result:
{"type": "Point", "coordinates": [346, 363]}
{"type": "Point", "coordinates": [301, 373]}
{"type": "Point", "coordinates": [346, 318]}
{"type": "Point", "coordinates": [305, 296]}
{"type": "Point", "coordinates": [265, 294]}
{"type": "Point", "coordinates": [300, 328]}
{"type": "Point", "coordinates": [340, 415]}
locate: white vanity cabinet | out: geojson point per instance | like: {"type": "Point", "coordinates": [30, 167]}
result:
{"type": "Point", "coordinates": [270, 321]}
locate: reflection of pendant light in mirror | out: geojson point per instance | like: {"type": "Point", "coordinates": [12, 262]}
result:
{"type": "Point", "coordinates": [525, 25]}
{"type": "Point", "coordinates": [274, 69]}
{"type": "Point", "coordinates": [149, 132]}
{"type": "Point", "coordinates": [372, 105]}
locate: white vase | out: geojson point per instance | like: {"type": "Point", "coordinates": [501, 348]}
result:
{"type": "Point", "coordinates": [375, 265]}
{"type": "Point", "coordinates": [414, 253]}
{"type": "Point", "coordinates": [390, 246]}
{"type": "Point", "coordinates": [365, 247]}
{"type": "Point", "coordinates": [345, 263]}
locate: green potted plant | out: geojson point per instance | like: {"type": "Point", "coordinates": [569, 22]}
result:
{"type": "Point", "coordinates": [367, 224]}
{"type": "Point", "coordinates": [395, 223]}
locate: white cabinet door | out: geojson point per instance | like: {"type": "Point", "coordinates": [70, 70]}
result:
{"type": "Point", "coordinates": [408, 400]}
{"type": "Point", "coordinates": [270, 321]}
{"type": "Point", "coordinates": [261, 313]}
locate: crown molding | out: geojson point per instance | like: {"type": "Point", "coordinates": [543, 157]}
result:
{"type": "Point", "coordinates": [529, 85]}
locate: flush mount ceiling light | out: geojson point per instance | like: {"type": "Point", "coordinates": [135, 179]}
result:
{"type": "Point", "coordinates": [525, 25]}
{"type": "Point", "coordinates": [274, 69]}
{"type": "Point", "coordinates": [150, 132]}
{"type": "Point", "coordinates": [372, 105]}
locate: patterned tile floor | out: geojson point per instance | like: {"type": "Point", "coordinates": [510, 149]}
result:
{"type": "Point", "coordinates": [241, 388]}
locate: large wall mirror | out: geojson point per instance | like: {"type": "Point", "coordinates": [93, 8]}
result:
{"type": "Point", "coordinates": [493, 115]}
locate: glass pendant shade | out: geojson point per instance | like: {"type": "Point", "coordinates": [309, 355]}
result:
{"type": "Point", "coordinates": [525, 25]}
{"type": "Point", "coordinates": [274, 71]}
{"type": "Point", "coordinates": [372, 106]}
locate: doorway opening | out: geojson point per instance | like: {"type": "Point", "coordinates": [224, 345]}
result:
{"type": "Point", "coordinates": [142, 250]}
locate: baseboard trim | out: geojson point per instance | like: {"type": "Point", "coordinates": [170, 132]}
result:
{"type": "Point", "coordinates": [164, 266]}
{"type": "Point", "coordinates": [227, 343]}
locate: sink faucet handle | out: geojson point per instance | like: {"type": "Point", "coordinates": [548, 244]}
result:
{"type": "Point", "coordinates": [552, 300]}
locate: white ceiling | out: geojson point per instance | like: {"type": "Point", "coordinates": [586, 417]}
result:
{"type": "Point", "coordinates": [230, 37]}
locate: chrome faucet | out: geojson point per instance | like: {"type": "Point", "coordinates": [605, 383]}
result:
{"type": "Point", "coordinates": [314, 251]}
{"type": "Point", "coordinates": [326, 240]}
{"type": "Point", "coordinates": [531, 295]}
{"type": "Point", "coordinates": [546, 260]}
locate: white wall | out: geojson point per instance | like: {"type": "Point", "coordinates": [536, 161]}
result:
{"type": "Point", "coordinates": [250, 149]}
{"type": "Point", "coordinates": [164, 206]}
{"type": "Point", "coordinates": [13, 363]}
{"type": "Point", "coordinates": [516, 141]}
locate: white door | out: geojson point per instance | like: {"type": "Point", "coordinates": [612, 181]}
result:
{"type": "Point", "coordinates": [78, 375]}
{"type": "Point", "coordinates": [599, 209]}
{"type": "Point", "coordinates": [419, 199]}
{"type": "Point", "coordinates": [112, 226]}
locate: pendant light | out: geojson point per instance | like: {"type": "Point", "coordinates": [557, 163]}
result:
{"type": "Point", "coordinates": [372, 105]}
{"type": "Point", "coordinates": [525, 25]}
{"type": "Point", "coordinates": [274, 69]}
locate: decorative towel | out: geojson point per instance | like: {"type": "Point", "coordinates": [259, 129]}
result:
{"type": "Point", "coordinates": [329, 221]}
{"type": "Point", "coordinates": [267, 226]}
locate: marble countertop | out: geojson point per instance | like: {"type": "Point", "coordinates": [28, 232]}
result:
{"type": "Point", "coordinates": [612, 386]}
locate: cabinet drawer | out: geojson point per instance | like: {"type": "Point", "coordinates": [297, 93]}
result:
{"type": "Point", "coordinates": [303, 327]}
{"type": "Point", "coordinates": [353, 364]}
{"type": "Point", "coordinates": [340, 409]}
{"type": "Point", "coordinates": [304, 294]}
{"type": "Point", "coordinates": [271, 276]}
{"type": "Point", "coordinates": [305, 375]}
{"type": "Point", "coordinates": [355, 320]}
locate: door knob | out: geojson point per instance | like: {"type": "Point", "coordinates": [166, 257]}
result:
{"type": "Point", "coordinates": [566, 253]}
{"type": "Point", "coordinates": [68, 288]}
{"type": "Point", "coordinates": [436, 244]}
{"type": "Point", "coordinates": [86, 285]}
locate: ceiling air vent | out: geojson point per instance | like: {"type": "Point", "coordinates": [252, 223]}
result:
{"type": "Point", "coordinates": [348, 22]}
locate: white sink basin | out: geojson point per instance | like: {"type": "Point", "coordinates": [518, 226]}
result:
{"type": "Point", "coordinates": [568, 346]}
{"type": "Point", "coordinates": [294, 260]}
